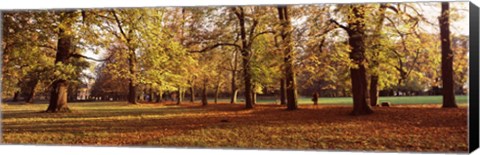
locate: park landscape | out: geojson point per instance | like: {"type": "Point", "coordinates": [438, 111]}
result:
{"type": "Point", "coordinates": [350, 77]}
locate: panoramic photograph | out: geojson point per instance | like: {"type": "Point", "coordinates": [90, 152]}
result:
{"type": "Point", "coordinates": [389, 77]}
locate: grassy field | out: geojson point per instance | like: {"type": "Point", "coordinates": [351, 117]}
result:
{"type": "Point", "coordinates": [326, 127]}
{"type": "Point", "coordinates": [348, 100]}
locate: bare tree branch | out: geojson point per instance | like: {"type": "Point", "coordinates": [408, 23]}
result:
{"type": "Point", "coordinates": [234, 9]}
{"type": "Point", "coordinates": [215, 46]}
{"type": "Point", "coordinates": [321, 45]}
{"type": "Point", "coordinates": [119, 24]}
{"type": "Point", "coordinates": [252, 31]}
{"type": "Point", "coordinates": [391, 8]}
{"type": "Point", "coordinates": [262, 33]}
{"type": "Point", "coordinates": [47, 46]}
{"type": "Point", "coordinates": [340, 25]}
{"type": "Point", "coordinates": [84, 16]}
{"type": "Point", "coordinates": [76, 55]}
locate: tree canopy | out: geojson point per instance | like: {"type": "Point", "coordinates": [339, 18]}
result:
{"type": "Point", "coordinates": [141, 54]}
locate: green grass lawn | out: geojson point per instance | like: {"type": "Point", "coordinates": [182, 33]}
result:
{"type": "Point", "coordinates": [461, 99]}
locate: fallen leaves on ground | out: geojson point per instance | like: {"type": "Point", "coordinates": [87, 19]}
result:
{"type": "Point", "coordinates": [324, 127]}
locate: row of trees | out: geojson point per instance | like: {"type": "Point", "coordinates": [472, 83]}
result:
{"type": "Point", "coordinates": [355, 50]}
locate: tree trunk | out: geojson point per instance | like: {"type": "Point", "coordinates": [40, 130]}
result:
{"type": "Point", "coordinates": [373, 90]}
{"type": "Point", "coordinates": [447, 59]}
{"type": "Point", "coordinates": [15, 96]}
{"type": "Point", "coordinates": [233, 97]}
{"type": "Point", "coordinates": [179, 95]}
{"type": "Point", "coordinates": [192, 93]}
{"type": "Point", "coordinates": [248, 83]}
{"type": "Point", "coordinates": [132, 92]}
{"type": "Point", "coordinates": [291, 92]}
{"type": "Point", "coordinates": [254, 97]}
{"type": "Point", "coordinates": [31, 94]}
{"type": "Point", "coordinates": [30, 97]}
{"type": "Point", "coordinates": [204, 93]}
{"type": "Point", "coordinates": [59, 91]}
{"type": "Point", "coordinates": [283, 92]}
{"type": "Point", "coordinates": [315, 98]}
{"type": "Point", "coordinates": [159, 97]}
{"type": "Point", "coordinates": [359, 91]}
{"type": "Point", "coordinates": [290, 79]}
{"type": "Point", "coordinates": [182, 93]}
{"type": "Point", "coordinates": [150, 94]}
{"type": "Point", "coordinates": [247, 75]}
{"type": "Point", "coordinates": [58, 97]}
{"type": "Point", "coordinates": [374, 78]}
{"type": "Point", "coordinates": [217, 91]}
{"type": "Point", "coordinates": [357, 55]}
{"type": "Point", "coordinates": [132, 86]}
{"type": "Point", "coordinates": [132, 61]}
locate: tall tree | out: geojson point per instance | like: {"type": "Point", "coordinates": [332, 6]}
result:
{"type": "Point", "coordinates": [204, 92]}
{"type": "Point", "coordinates": [246, 52]}
{"type": "Point", "coordinates": [356, 32]}
{"type": "Point", "coordinates": [58, 95]}
{"type": "Point", "coordinates": [247, 22]}
{"type": "Point", "coordinates": [377, 35]}
{"type": "Point", "coordinates": [132, 58]}
{"type": "Point", "coordinates": [448, 84]}
{"type": "Point", "coordinates": [290, 80]}
{"type": "Point", "coordinates": [233, 84]}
